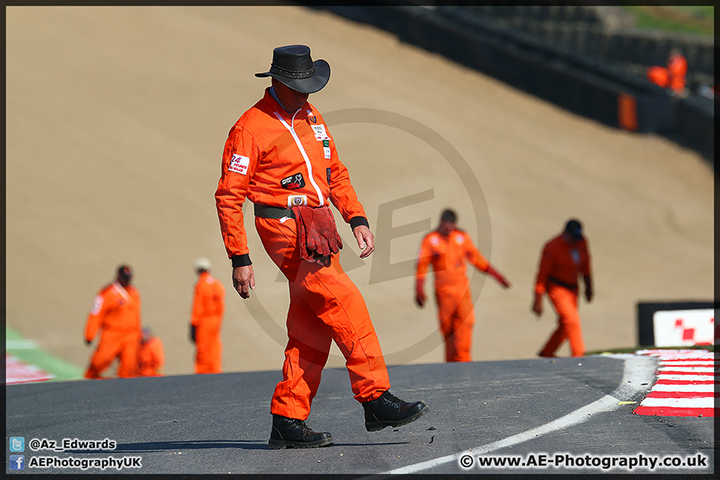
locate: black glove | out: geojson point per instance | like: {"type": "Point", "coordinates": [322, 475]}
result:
{"type": "Point", "coordinates": [192, 333]}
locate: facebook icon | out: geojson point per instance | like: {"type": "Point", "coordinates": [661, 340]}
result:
{"type": "Point", "coordinates": [17, 462]}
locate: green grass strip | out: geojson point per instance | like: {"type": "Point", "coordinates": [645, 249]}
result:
{"type": "Point", "coordinates": [28, 351]}
{"type": "Point", "coordinates": [700, 25]}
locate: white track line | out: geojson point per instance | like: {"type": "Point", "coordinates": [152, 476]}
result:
{"type": "Point", "coordinates": [637, 370]}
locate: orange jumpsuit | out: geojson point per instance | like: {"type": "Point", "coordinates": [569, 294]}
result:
{"type": "Point", "coordinates": [207, 314]}
{"type": "Point", "coordinates": [673, 77]}
{"type": "Point", "coordinates": [116, 313]}
{"type": "Point", "coordinates": [282, 160]}
{"type": "Point", "coordinates": [677, 69]}
{"type": "Point", "coordinates": [452, 288]}
{"type": "Point", "coordinates": [151, 358]}
{"type": "Point", "coordinates": [560, 265]}
{"type": "Point", "coordinates": [659, 76]}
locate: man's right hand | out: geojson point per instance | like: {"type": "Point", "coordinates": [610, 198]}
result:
{"type": "Point", "coordinates": [537, 305]}
{"type": "Point", "coordinates": [419, 293]}
{"type": "Point", "coordinates": [244, 280]}
{"type": "Point", "coordinates": [365, 240]}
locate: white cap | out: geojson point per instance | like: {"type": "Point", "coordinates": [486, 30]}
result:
{"type": "Point", "coordinates": [202, 263]}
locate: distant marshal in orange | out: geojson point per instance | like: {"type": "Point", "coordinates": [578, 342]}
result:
{"type": "Point", "coordinates": [564, 258]}
{"type": "Point", "coordinates": [151, 356]}
{"type": "Point", "coordinates": [116, 314]}
{"type": "Point", "coordinates": [448, 249]}
{"type": "Point", "coordinates": [207, 315]}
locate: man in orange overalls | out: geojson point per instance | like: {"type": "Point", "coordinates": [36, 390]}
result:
{"type": "Point", "coordinates": [281, 156]}
{"type": "Point", "coordinates": [207, 314]}
{"type": "Point", "coordinates": [151, 356]}
{"type": "Point", "coordinates": [677, 68]}
{"type": "Point", "coordinates": [447, 249]}
{"type": "Point", "coordinates": [116, 313]}
{"type": "Point", "coordinates": [673, 76]}
{"type": "Point", "coordinates": [564, 258]}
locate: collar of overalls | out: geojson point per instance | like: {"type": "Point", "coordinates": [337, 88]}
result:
{"type": "Point", "coordinates": [274, 95]}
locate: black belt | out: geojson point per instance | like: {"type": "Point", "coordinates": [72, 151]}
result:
{"type": "Point", "coordinates": [562, 284]}
{"type": "Point", "coordinates": [266, 211]}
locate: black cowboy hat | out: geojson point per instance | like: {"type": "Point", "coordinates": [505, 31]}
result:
{"type": "Point", "coordinates": [293, 67]}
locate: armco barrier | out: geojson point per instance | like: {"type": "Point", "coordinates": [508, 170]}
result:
{"type": "Point", "coordinates": [695, 124]}
{"type": "Point", "coordinates": [580, 83]}
{"type": "Point", "coordinates": [573, 81]}
{"type": "Point", "coordinates": [569, 25]}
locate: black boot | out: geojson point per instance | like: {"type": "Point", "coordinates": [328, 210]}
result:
{"type": "Point", "coordinates": [292, 433]}
{"type": "Point", "coordinates": [388, 410]}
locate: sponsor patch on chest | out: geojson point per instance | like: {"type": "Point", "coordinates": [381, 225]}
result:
{"type": "Point", "coordinates": [575, 256]}
{"type": "Point", "coordinates": [320, 133]}
{"type": "Point", "coordinates": [239, 164]}
{"type": "Point", "coordinates": [293, 182]}
{"type": "Point", "coordinates": [296, 200]}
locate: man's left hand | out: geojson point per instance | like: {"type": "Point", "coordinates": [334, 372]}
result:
{"type": "Point", "coordinates": [365, 240]}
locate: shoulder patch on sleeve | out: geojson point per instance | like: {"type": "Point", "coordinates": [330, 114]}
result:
{"type": "Point", "coordinates": [239, 164]}
{"type": "Point", "coordinates": [97, 305]}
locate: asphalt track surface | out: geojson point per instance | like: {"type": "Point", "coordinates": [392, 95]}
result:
{"type": "Point", "coordinates": [220, 424]}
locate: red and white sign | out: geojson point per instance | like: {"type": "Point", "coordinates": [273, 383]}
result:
{"type": "Point", "coordinates": [676, 328]}
{"type": "Point", "coordinates": [17, 371]}
{"type": "Point", "coordinates": [685, 386]}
